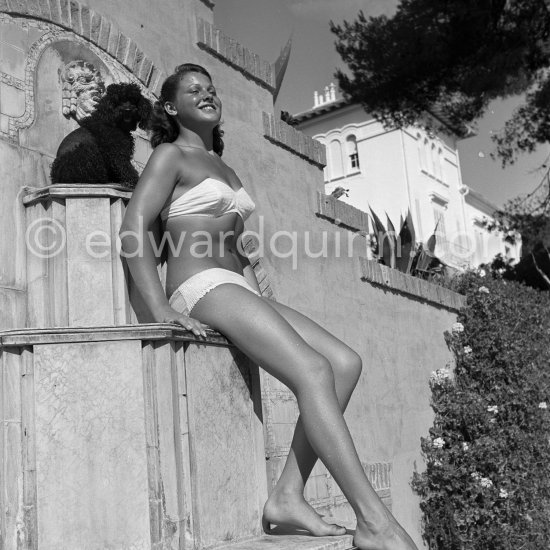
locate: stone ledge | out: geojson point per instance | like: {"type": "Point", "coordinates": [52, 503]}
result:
{"type": "Point", "coordinates": [393, 279]}
{"type": "Point", "coordinates": [96, 28]}
{"type": "Point", "coordinates": [66, 335]}
{"type": "Point", "coordinates": [293, 540]}
{"type": "Point", "coordinates": [74, 190]}
{"type": "Point", "coordinates": [281, 133]}
{"type": "Point", "coordinates": [341, 213]}
{"type": "Point", "coordinates": [227, 49]}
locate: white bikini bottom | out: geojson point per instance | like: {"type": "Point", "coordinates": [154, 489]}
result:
{"type": "Point", "coordinates": [185, 297]}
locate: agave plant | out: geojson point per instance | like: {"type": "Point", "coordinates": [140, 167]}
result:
{"type": "Point", "coordinates": [395, 249]}
{"type": "Point", "coordinates": [400, 251]}
{"type": "Point", "coordinates": [426, 264]}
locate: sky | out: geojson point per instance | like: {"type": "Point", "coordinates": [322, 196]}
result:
{"type": "Point", "coordinates": [264, 26]}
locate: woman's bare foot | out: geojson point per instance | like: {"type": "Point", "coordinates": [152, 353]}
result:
{"type": "Point", "coordinates": [293, 510]}
{"type": "Point", "coordinates": [390, 536]}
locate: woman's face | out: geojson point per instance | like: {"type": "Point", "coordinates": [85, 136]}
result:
{"type": "Point", "coordinates": [196, 102]}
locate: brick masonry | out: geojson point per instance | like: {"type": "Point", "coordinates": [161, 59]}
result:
{"type": "Point", "coordinates": [213, 40]}
{"type": "Point", "coordinates": [286, 136]}
{"type": "Point", "coordinates": [385, 276]}
{"type": "Point", "coordinates": [332, 501]}
{"type": "Point", "coordinates": [95, 28]}
{"type": "Point", "coordinates": [251, 249]}
{"type": "Point", "coordinates": [342, 213]}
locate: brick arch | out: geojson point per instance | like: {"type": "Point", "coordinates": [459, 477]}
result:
{"type": "Point", "coordinates": [95, 28]}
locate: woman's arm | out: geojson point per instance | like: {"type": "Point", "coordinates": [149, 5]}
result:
{"type": "Point", "coordinates": [152, 191]}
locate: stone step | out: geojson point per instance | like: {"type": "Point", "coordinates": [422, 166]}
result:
{"type": "Point", "coordinates": [294, 539]}
{"type": "Point", "coordinates": [293, 542]}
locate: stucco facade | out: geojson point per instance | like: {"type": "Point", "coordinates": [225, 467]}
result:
{"type": "Point", "coordinates": [393, 171]}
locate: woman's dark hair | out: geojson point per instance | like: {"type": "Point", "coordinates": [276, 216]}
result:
{"type": "Point", "coordinates": [163, 127]}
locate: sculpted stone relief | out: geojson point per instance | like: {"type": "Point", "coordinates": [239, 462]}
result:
{"type": "Point", "coordinates": [84, 72]}
{"type": "Point", "coordinates": [83, 86]}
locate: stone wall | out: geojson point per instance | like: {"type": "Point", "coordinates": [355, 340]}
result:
{"type": "Point", "coordinates": [399, 337]}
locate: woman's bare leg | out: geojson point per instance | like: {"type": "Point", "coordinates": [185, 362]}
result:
{"type": "Point", "coordinates": [268, 339]}
{"type": "Point", "coordinates": [286, 503]}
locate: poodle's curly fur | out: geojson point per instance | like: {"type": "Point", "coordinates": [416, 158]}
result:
{"type": "Point", "coordinates": [101, 150]}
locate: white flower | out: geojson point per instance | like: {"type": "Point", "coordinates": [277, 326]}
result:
{"type": "Point", "coordinates": [543, 405]}
{"type": "Point", "coordinates": [476, 475]}
{"type": "Point", "coordinates": [443, 373]}
{"type": "Point", "coordinates": [467, 350]}
{"type": "Point", "coordinates": [439, 377]}
{"type": "Point", "coordinates": [438, 463]}
{"type": "Point", "coordinates": [465, 446]}
{"type": "Point", "coordinates": [457, 328]}
{"type": "Point", "coordinates": [503, 493]}
{"type": "Point", "coordinates": [492, 409]}
{"type": "Point", "coordinates": [483, 289]}
{"type": "Point", "coordinates": [486, 482]}
{"type": "Point", "coordinates": [482, 273]}
{"type": "Point", "coordinates": [438, 443]}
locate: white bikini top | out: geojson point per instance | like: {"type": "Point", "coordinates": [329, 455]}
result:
{"type": "Point", "coordinates": [212, 198]}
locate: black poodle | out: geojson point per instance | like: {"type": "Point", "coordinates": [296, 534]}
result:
{"type": "Point", "coordinates": [101, 150]}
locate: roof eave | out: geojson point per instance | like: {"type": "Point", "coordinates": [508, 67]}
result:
{"type": "Point", "coordinates": [320, 110]}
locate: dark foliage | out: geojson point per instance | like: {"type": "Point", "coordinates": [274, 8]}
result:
{"type": "Point", "coordinates": [486, 484]}
{"type": "Point", "coordinates": [533, 269]}
{"type": "Point", "coordinates": [455, 56]}
{"type": "Point", "coordinates": [528, 217]}
{"type": "Point", "coordinates": [101, 150]}
{"type": "Point", "coordinates": [519, 218]}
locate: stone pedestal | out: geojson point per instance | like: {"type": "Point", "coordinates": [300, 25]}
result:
{"type": "Point", "coordinates": [75, 273]}
{"type": "Point", "coordinates": [130, 437]}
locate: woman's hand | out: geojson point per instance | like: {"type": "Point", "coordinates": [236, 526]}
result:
{"type": "Point", "coordinates": [172, 316]}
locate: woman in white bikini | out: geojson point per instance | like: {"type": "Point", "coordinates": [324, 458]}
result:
{"type": "Point", "coordinates": [202, 202]}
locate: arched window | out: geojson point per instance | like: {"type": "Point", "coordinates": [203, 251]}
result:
{"type": "Point", "coordinates": [481, 251]}
{"type": "Point", "coordinates": [336, 161]}
{"type": "Point", "coordinates": [440, 230]}
{"type": "Point", "coordinates": [353, 155]}
{"type": "Point", "coordinates": [440, 161]}
{"type": "Point", "coordinates": [421, 158]}
{"type": "Point", "coordinates": [425, 150]}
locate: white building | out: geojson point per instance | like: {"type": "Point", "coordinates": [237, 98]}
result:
{"type": "Point", "coordinates": [393, 171]}
{"type": "Point", "coordinates": [487, 245]}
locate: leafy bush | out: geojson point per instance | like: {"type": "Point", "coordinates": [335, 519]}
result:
{"type": "Point", "coordinates": [487, 482]}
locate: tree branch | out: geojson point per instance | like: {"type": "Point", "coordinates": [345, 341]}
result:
{"type": "Point", "coordinates": [539, 270]}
